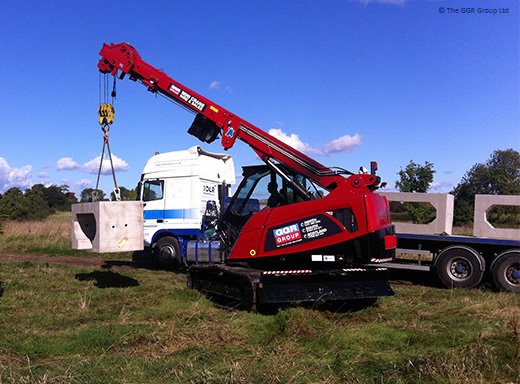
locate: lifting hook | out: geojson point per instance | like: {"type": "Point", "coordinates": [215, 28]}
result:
{"type": "Point", "coordinates": [106, 115]}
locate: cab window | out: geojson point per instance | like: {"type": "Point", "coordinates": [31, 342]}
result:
{"type": "Point", "coordinates": [153, 190]}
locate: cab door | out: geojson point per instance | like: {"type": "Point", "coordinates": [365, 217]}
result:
{"type": "Point", "coordinates": [153, 206]}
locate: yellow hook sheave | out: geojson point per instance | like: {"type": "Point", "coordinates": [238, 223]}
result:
{"type": "Point", "coordinates": [106, 114]}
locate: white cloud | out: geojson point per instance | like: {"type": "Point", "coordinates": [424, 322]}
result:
{"type": "Point", "coordinates": [293, 140]}
{"type": "Point", "coordinates": [14, 177]}
{"type": "Point", "coordinates": [67, 164]}
{"type": "Point", "coordinates": [92, 166]}
{"type": "Point", "coordinates": [43, 175]}
{"type": "Point", "coordinates": [218, 86]}
{"type": "Point", "coordinates": [84, 183]}
{"type": "Point", "coordinates": [345, 143]}
{"type": "Point", "coordinates": [442, 187]}
{"type": "Point", "coordinates": [78, 186]}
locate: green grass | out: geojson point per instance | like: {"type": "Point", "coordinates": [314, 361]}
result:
{"type": "Point", "coordinates": [63, 324]}
{"type": "Point", "coordinates": [58, 326]}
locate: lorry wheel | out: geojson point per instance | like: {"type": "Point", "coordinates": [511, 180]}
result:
{"type": "Point", "coordinates": [459, 268]}
{"type": "Point", "coordinates": [168, 252]}
{"type": "Point", "coordinates": [506, 272]}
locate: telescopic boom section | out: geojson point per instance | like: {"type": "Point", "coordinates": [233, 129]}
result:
{"type": "Point", "coordinates": [212, 119]}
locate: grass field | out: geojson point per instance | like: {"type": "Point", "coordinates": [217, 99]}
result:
{"type": "Point", "coordinates": [62, 324]}
{"type": "Point", "coordinates": [72, 325]}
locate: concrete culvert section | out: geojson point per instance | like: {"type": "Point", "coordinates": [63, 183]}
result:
{"type": "Point", "coordinates": [108, 226]}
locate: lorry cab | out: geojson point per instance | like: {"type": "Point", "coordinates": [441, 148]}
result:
{"type": "Point", "coordinates": [175, 189]}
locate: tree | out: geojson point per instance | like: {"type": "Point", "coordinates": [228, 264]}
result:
{"type": "Point", "coordinates": [37, 207]}
{"type": "Point", "coordinates": [56, 196]}
{"type": "Point", "coordinates": [500, 175]}
{"type": "Point", "coordinates": [36, 203]}
{"type": "Point", "coordinates": [16, 206]}
{"type": "Point", "coordinates": [86, 195]}
{"type": "Point", "coordinates": [11, 203]}
{"type": "Point", "coordinates": [417, 178]}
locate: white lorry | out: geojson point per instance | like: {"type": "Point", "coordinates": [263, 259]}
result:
{"type": "Point", "coordinates": [182, 194]}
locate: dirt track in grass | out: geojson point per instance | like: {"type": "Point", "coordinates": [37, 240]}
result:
{"type": "Point", "coordinates": [76, 261]}
{"type": "Point", "coordinates": [396, 278]}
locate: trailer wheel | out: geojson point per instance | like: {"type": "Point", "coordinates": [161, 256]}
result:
{"type": "Point", "coordinates": [506, 272]}
{"type": "Point", "coordinates": [459, 268]}
{"type": "Point", "coordinates": [168, 252]}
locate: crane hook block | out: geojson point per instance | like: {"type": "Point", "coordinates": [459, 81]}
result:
{"type": "Point", "coordinates": [106, 114]}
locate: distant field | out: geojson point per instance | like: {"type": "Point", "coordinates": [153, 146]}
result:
{"type": "Point", "coordinates": [50, 236]}
{"type": "Point", "coordinates": [76, 325]}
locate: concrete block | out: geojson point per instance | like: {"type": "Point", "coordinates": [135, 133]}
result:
{"type": "Point", "coordinates": [481, 225]}
{"type": "Point", "coordinates": [443, 204]}
{"type": "Point", "coordinates": [108, 226]}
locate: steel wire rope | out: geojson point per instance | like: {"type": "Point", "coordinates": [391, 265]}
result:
{"type": "Point", "coordinates": [105, 127]}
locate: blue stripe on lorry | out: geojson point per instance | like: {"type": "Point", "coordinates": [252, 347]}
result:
{"type": "Point", "coordinates": [156, 214]}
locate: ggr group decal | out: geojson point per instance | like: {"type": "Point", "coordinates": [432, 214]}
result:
{"type": "Point", "coordinates": [284, 235]}
{"type": "Point", "coordinates": [299, 232]}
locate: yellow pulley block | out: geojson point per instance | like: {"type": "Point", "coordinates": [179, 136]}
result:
{"type": "Point", "coordinates": [106, 114]}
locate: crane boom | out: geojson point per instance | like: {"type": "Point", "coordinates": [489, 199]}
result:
{"type": "Point", "coordinates": [212, 119]}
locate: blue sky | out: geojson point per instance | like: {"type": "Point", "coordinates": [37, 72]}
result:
{"type": "Point", "coordinates": [346, 81]}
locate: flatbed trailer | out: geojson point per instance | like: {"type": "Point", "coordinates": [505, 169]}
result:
{"type": "Point", "coordinates": [459, 261]}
